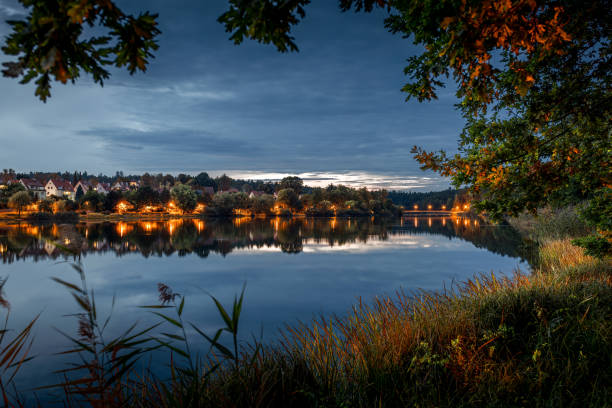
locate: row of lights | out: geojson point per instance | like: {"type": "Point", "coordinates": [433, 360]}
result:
{"type": "Point", "coordinates": [456, 208]}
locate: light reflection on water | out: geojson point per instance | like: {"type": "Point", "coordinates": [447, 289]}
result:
{"type": "Point", "coordinates": [294, 268]}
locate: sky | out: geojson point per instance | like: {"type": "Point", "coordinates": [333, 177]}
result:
{"type": "Point", "coordinates": [333, 112]}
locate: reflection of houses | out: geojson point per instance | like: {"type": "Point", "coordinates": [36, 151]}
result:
{"type": "Point", "coordinates": [35, 187]}
{"type": "Point", "coordinates": [59, 188]}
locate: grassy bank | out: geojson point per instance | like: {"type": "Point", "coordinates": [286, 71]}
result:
{"type": "Point", "coordinates": [542, 339]}
{"type": "Point", "coordinates": [534, 340]}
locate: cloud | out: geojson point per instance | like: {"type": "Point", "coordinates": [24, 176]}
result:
{"type": "Point", "coordinates": [333, 111]}
{"type": "Point", "coordinates": [170, 140]}
{"type": "Point", "coordinates": [10, 11]}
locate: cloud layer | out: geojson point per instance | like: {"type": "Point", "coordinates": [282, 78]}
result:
{"type": "Point", "coordinates": [205, 104]}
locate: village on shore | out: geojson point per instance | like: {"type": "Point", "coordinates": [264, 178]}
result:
{"type": "Point", "coordinates": [44, 195]}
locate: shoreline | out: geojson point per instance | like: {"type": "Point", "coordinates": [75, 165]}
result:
{"type": "Point", "coordinates": [115, 217]}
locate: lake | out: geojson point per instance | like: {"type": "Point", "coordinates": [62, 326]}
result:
{"type": "Point", "coordinates": [294, 269]}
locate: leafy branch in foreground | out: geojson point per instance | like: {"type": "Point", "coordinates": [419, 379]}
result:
{"type": "Point", "coordinates": [49, 42]}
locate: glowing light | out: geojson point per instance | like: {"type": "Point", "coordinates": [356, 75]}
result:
{"type": "Point", "coordinates": [123, 206]}
{"type": "Point", "coordinates": [429, 207]}
{"type": "Point", "coordinates": [416, 207]}
{"type": "Point", "coordinates": [444, 207]}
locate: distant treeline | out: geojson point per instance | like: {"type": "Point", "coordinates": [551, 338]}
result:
{"type": "Point", "coordinates": [436, 199]}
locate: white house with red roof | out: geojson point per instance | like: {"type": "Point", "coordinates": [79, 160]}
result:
{"type": "Point", "coordinates": [59, 188]}
{"type": "Point", "coordinates": [34, 186]}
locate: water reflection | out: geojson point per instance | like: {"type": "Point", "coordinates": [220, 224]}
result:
{"type": "Point", "coordinates": [223, 236]}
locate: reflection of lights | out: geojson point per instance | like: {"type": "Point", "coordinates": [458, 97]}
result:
{"type": "Point", "coordinates": [238, 221]}
{"type": "Point", "coordinates": [416, 222]}
{"type": "Point", "coordinates": [2, 249]}
{"type": "Point", "coordinates": [429, 222]}
{"type": "Point", "coordinates": [466, 222]}
{"type": "Point", "coordinates": [443, 221]}
{"type": "Point", "coordinates": [199, 225]}
{"type": "Point", "coordinates": [333, 223]}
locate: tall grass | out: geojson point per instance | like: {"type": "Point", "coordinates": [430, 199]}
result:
{"type": "Point", "coordinates": [542, 339]}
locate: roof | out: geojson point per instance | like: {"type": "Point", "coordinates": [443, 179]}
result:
{"type": "Point", "coordinates": [62, 184]}
{"type": "Point", "coordinates": [31, 184]}
{"type": "Point", "coordinates": [258, 193]}
{"type": "Point", "coordinates": [86, 185]}
{"type": "Point", "coordinates": [7, 179]}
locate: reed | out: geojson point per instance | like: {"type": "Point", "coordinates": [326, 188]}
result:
{"type": "Point", "coordinates": [541, 339]}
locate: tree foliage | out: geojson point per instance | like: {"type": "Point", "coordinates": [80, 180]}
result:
{"type": "Point", "coordinates": [60, 38]}
{"type": "Point", "coordinates": [19, 201]}
{"type": "Point", "coordinates": [186, 199]}
{"type": "Point", "coordinates": [292, 182]}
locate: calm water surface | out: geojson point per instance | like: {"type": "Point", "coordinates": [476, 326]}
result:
{"type": "Point", "coordinates": [294, 269]}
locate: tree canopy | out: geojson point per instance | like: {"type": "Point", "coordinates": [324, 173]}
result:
{"type": "Point", "coordinates": [49, 42]}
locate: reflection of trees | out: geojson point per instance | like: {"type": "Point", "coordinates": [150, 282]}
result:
{"type": "Point", "coordinates": [222, 236]}
{"type": "Point", "coordinates": [502, 240]}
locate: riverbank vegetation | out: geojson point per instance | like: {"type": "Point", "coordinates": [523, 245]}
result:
{"type": "Point", "coordinates": [538, 339]}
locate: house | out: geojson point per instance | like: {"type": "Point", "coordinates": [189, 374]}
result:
{"type": "Point", "coordinates": [59, 188]}
{"type": "Point", "coordinates": [121, 186]}
{"type": "Point", "coordinates": [85, 186]}
{"type": "Point", "coordinates": [256, 194]}
{"type": "Point", "coordinates": [102, 188]}
{"type": "Point", "coordinates": [134, 184]}
{"type": "Point", "coordinates": [5, 181]}
{"type": "Point", "coordinates": [35, 187]}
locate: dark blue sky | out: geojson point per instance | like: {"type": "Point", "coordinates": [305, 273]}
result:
{"type": "Point", "coordinates": [332, 112]}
